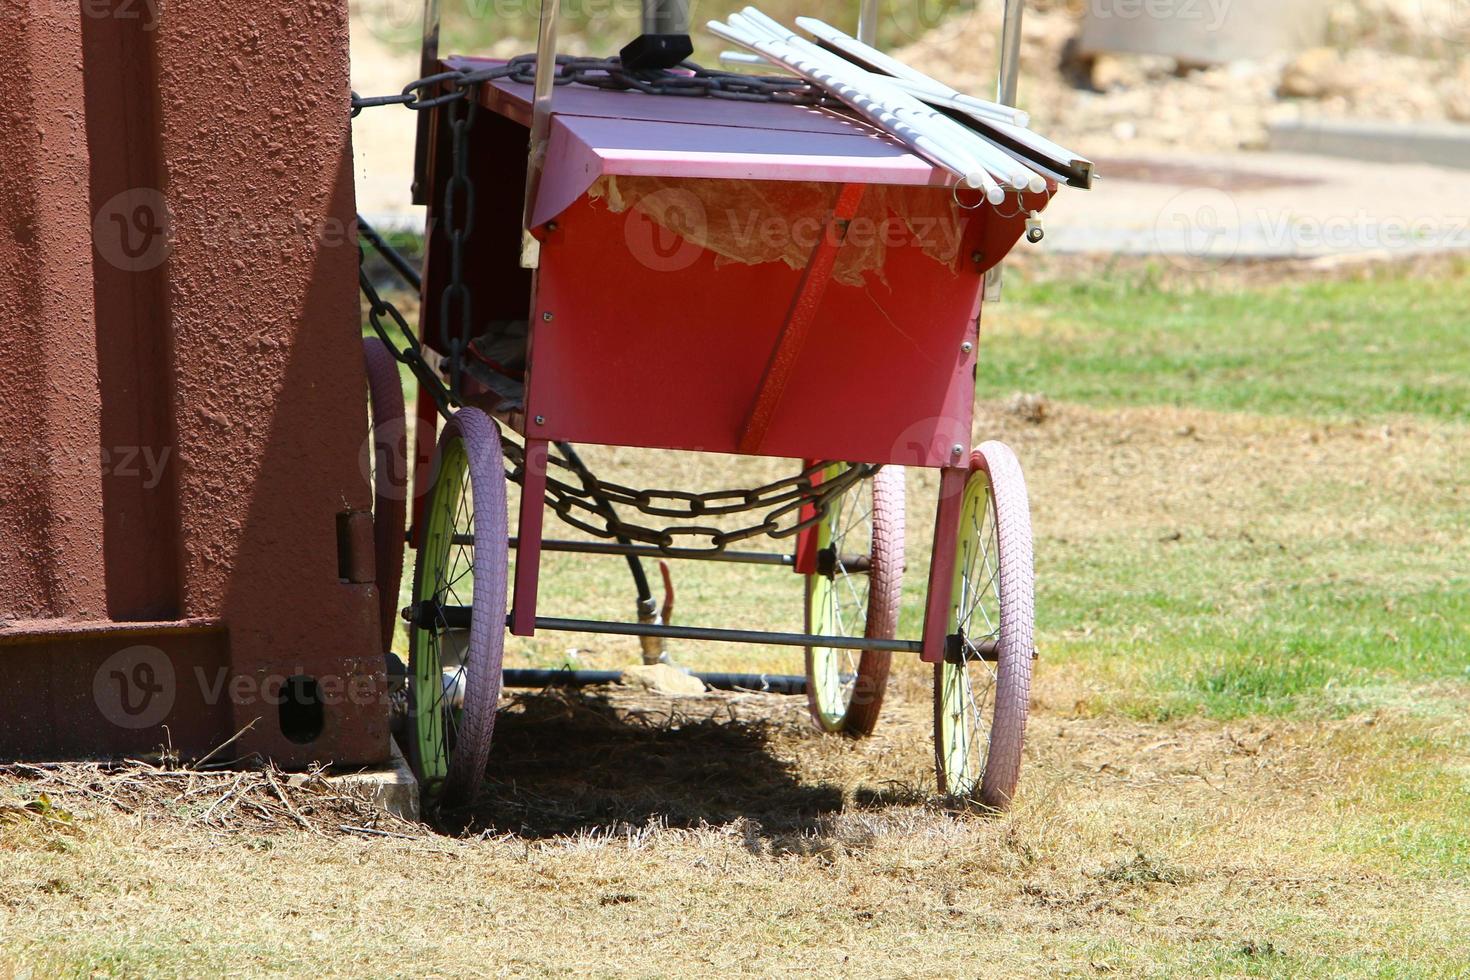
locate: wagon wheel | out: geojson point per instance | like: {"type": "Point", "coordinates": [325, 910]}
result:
{"type": "Point", "coordinates": [455, 672]}
{"type": "Point", "coordinates": [855, 592]}
{"type": "Point", "coordinates": [982, 689]}
{"type": "Point", "coordinates": [389, 474]}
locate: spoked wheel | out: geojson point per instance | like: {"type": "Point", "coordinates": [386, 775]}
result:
{"type": "Point", "coordinates": [455, 673]}
{"type": "Point", "coordinates": [855, 592]}
{"type": "Point", "coordinates": [982, 689]}
{"type": "Point", "coordinates": [388, 470]}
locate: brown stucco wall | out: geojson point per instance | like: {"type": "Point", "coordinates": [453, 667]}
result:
{"type": "Point", "coordinates": [230, 366]}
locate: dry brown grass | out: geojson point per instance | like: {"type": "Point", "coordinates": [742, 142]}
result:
{"type": "Point", "coordinates": [718, 834]}
{"type": "Point", "coordinates": [623, 834]}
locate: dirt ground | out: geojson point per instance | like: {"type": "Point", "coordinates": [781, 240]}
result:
{"type": "Point", "coordinates": [625, 834]}
{"type": "Point", "coordinates": [722, 834]}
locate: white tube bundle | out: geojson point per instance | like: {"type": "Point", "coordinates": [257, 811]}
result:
{"type": "Point", "coordinates": [989, 148]}
{"type": "Point", "coordinates": [885, 106]}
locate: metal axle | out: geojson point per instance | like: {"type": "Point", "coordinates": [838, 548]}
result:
{"type": "Point", "coordinates": [429, 615]}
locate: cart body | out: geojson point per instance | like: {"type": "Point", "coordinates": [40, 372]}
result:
{"type": "Point", "coordinates": [727, 276]}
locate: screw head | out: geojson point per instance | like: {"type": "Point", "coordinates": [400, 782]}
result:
{"type": "Point", "coordinates": [966, 347]}
{"type": "Point", "coordinates": [546, 316]}
{"type": "Point", "coordinates": [957, 450]}
{"type": "Point", "coordinates": [540, 420]}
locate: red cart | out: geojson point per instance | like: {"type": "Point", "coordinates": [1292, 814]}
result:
{"type": "Point", "coordinates": [722, 275]}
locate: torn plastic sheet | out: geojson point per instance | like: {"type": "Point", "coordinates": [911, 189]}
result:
{"type": "Point", "coordinates": [756, 221]}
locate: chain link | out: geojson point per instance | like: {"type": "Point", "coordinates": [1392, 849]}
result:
{"type": "Point", "coordinates": [459, 222]}
{"type": "Point", "coordinates": [689, 80]}
{"type": "Point", "coordinates": [588, 507]}
{"type": "Point", "coordinates": [412, 352]}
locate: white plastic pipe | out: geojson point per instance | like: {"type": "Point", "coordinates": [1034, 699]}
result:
{"type": "Point", "coordinates": [889, 65]}
{"type": "Point", "coordinates": [1002, 165]}
{"type": "Point", "coordinates": [882, 90]}
{"type": "Point", "coordinates": [906, 123]}
{"type": "Point", "coordinates": [1006, 168]}
{"type": "Point", "coordinates": [1009, 121]}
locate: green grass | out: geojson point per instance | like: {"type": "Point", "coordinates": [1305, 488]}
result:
{"type": "Point", "coordinates": [1321, 349]}
{"type": "Point", "coordinates": [1263, 585]}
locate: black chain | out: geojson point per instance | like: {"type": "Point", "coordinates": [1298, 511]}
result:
{"type": "Point", "coordinates": [459, 223]}
{"type": "Point", "coordinates": [690, 80]}
{"type": "Point", "coordinates": [588, 507]}
{"type": "Point", "coordinates": [412, 351]}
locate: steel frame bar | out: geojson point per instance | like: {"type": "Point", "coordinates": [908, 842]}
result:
{"type": "Point", "coordinates": [426, 438]}
{"type": "Point", "coordinates": [528, 544]}
{"type": "Point", "coordinates": [769, 683]}
{"type": "Point", "coordinates": [727, 635]}
{"type": "Point", "coordinates": [804, 306]}
{"type": "Point", "coordinates": [941, 564]}
{"type": "Point", "coordinates": [423, 134]}
{"type": "Point", "coordinates": [651, 551]}
{"type": "Point", "coordinates": [458, 618]}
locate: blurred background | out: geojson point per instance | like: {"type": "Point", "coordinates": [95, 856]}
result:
{"type": "Point", "coordinates": [1223, 128]}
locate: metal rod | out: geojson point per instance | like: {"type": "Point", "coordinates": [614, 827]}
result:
{"type": "Point", "coordinates": [651, 551]}
{"type": "Point", "coordinates": [391, 255]}
{"type": "Point", "coordinates": [635, 567]}
{"type": "Point", "coordinates": [868, 22]}
{"type": "Point", "coordinates": [724, 635]}
{"type": "Point", "coordinates": [665, 16]}
{"type": "Point", "coordinates": [540, 126]}
{"type": "Point", "coordinates": [719, 681]}
{"type": "Point", "coordinates": [528, 547]}
{"type": "Point", "coordinates": [1010, 52]}
{"type": "Point", "coordinates": [428, 65]}
{"type": "Point", "coordinates": [1005, 93]}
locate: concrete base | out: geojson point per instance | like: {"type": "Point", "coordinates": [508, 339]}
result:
{"type": "Point", "coordinates": [1205, 32]}
{"type": "Point", "coordinates": [392, 787]}
{"type": "Point", "coordinates": [1438, 144]}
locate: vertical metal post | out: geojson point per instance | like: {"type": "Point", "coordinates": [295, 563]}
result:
{"type": "Point", "coordinates": [428, 65]}
{"type": "Point", "coordinates": [952, 481]}
{"type": "Point", "coordinates": [528, 539]}
{"type": "Point", "coordinates": [540, 126]}
{"type": "Point", "coordinates": [868, 22]}
{"type": "Point", "coordinates": [1005, 93]}
{"type": "Point", "coordinates": [1010, 52]}
{"type": "Point", "coordinates": [665, 16]}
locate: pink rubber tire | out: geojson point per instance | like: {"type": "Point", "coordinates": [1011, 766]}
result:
{"type": "Point", "coordinates": [452, 768]}
{"type": "Point", "coordinates": [855, 710]}
{"type": "Point", "coordinates": [981, 705]}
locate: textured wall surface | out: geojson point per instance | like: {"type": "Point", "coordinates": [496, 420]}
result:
{"type": "Point", "coordinates": [50, 487]}
{"type": "Point", "coordinates": [183, 397]}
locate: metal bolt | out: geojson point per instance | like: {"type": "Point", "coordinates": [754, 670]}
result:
{"type": "Point", "coordinates": [546, 317]}
{"type": "Point", "coordinates": [540, 420]}
{"type": "Point", "coordinates": [958, 450]}
{"type": "Point", "coordinates": [551, 226]}
{"type": "Point", "coordinates": [966, 347]}
{"type": "Point", "coordinates": [975, 257]}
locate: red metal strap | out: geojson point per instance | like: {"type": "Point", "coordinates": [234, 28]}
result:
{"type": "Point", "coordinates": [804, 306]}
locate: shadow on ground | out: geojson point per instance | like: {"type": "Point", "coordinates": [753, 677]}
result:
{"type": "Point", "coordinates": [565, 762]}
